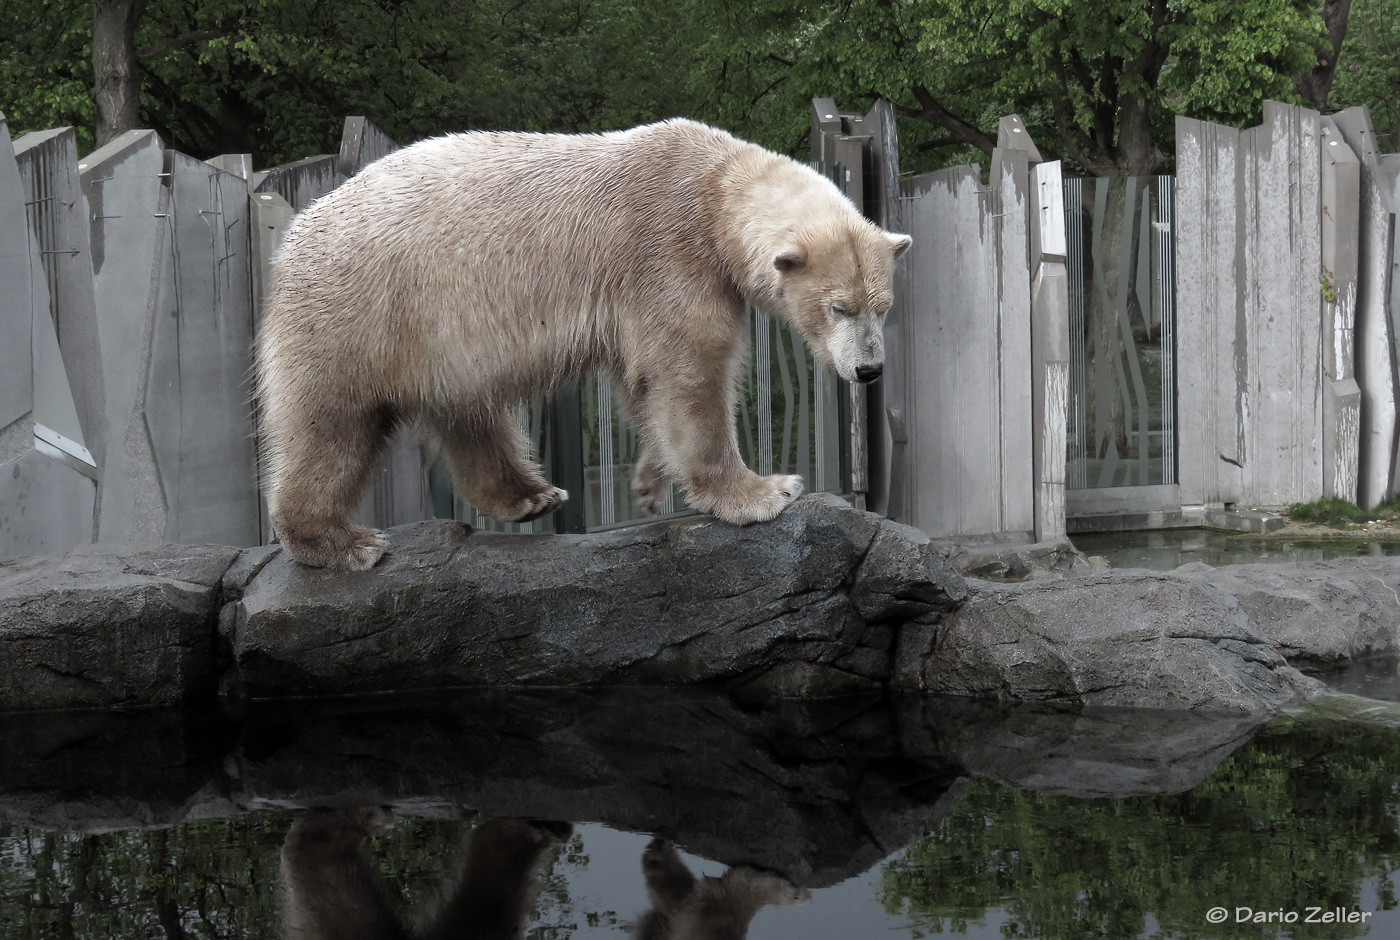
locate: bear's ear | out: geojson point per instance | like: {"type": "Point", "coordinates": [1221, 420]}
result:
{"type": "Point", "coordinates": [789, 258]}
{"type": "Point", "coordinates": [900, 243]}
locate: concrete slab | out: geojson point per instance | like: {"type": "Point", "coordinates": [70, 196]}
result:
{"type": "Point", "coordinates": [198, 396]}
{"type": "Point", "coordinates": [45, 506]}
{"type": "Point", "coordinates": [48, 163]}
{"type": "Point", "coordinates": [1341, 397]}
{"type": "Point", "coordinates": [16, 289]}
{"type": "Point", "coordinates": [129, 218]}
{"type": "Point", "coordinates": [1250, 372]}
{"type": "Point", "coordinates": [1376, 334]}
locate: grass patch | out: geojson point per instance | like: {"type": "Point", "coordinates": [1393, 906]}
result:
{"type": "Point", "coordinates": [1388, 511]}
{"type": "Point", "coordinates": [1337, 513]}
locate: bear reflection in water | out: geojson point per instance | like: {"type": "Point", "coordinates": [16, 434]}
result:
{"type": "Point", "coordinates": [708, 909]}
{"type": "Point", "coordinates": [332, 889]}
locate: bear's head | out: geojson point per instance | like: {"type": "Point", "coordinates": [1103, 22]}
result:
{"type": "Point", "coordinates": [835, 283]}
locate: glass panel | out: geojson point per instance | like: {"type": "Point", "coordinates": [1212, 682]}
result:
{"type": "Point", "coordinates": [787, 422]}
{"type": "Point", "coordinates": [1122, 422]}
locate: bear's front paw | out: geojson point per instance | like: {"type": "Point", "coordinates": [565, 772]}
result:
{"type": "Point", "coordinates": [537, 504]}
{"type": "Point", "coordinates": [760, 501]}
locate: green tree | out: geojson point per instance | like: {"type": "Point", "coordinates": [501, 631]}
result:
{"type": "Point", "coordinates": [1098, 83]}
{"type": "Point", "coordinates": [1369, 68]}
{"type": "Point", "coordinates": [276, 77]}
{"type": "Point", "coordinates": [1303, 815]}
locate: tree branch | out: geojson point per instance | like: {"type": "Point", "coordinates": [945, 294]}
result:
{"type": "Point", "coordinates": [933, 112]}
{"type": "Point", "coordinates": [180, 42]}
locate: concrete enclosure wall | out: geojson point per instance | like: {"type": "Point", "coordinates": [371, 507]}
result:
{"type": "Point", "coordinates": [1285, 333]}
{"type": "Point", "coordinates": [131, 282]}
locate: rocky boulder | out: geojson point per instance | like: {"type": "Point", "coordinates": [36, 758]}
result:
{"type": "Point", "coordinates": [1318, 611]}
{"type": "Point", "coordinates": [1134, 638]}
{"type": "Point", "coordinates": [805, 605]}
{"type": "Point", "coordinates": [103, 626]}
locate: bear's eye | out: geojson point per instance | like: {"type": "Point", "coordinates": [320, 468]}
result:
{"type": "Point", "coordinates": [841, 310]}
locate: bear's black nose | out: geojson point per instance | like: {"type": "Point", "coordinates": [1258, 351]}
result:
{"type": "Point", "coordinates": [869, 373]}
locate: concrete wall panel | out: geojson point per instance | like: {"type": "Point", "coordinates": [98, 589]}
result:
{"type": "Point", "coordinates": [1050, 352]}
{"type": "Point", "coordinates": [198, 397]}
{"type": "Point", "coordinates": [1284, 377]}
{"type": "Point", "coordinates": [16, 292]}
{"type": "Point", "coordinates": [45, 506]}
{"type": "Point", "coordinates": [302, 182]}
{"type": "Point", "coordinates": [361, 143]}
{"type": "Point", "coordinates": [1208, 209]}
{"type": "Point", "coordinates": [48, 163]}
{"type": "Point", "coordinates": [1249, 310]}
{"type": "Point", "coordinates": [1341, 396]}
{"type": "Point", "coordinates": [129, 206]}
{"type": "Point", "coordinates": [1376, 336]}
{"type": "Point", "coordinates": [967, 307]}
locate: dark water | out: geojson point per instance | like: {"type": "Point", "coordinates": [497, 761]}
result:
{"type": "Point", "coordinates": [918, 818]}
{"type": "Point", "coordinates": [1170, 548]}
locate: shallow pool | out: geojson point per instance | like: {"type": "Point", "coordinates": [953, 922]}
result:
{"type": "Point", "coordinates": [1165, 549]}
{"type": "Point", "coordinates": [914, 818]}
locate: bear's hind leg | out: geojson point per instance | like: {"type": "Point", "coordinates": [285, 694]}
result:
{"type": "Point", "coordinates": [317, 471]}
{"type": "Point", "coordinates": [489, 457]}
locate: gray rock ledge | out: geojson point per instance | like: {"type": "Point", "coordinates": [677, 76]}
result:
{"type": "Point", "coordinates": [823, 600]}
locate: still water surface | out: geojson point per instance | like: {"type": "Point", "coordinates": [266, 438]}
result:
{"type": "Point", "coordinates": [1166, 549]}
{"type": "Point", "coordinates": [921, 818]}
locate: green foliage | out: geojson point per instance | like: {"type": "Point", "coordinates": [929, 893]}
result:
{"type": "Point", "coordinates": [1368, 70]}
{"type": "Point", "coordinates": [1338, 513]}
{"type": "Point", "coordinates": [1301, 816]}
{"type": "Point", "coordinates": [1074, 71]}
{"type": "Point", "coordinates": [45, 67]}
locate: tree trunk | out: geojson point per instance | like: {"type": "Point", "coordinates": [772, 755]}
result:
{"type": "Point", "coordinates": [1316, 85]}
{"type": "Point", "coordinates": [115, 68]}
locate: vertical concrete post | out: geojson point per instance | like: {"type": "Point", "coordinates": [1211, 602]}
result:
{"type": "Point", "coordinates": [47, 491]}
{"type": "Point", "coordinates": [198, 396]}
{"type": "Point", "coordinates": [889, 437]}
{"type": "Point", "coordinates": [48, 163]}
{"type": "Point", "coordinates": [1049, 351]}
{"type": "Point", "coordinates": [129, 208]}
{"type": "Point", "coordinates": [1377, 351]}
{"type": "Point", "coordinates": [1341, 395]}
{"type": "Point", "coordinates": [1249, 311]}
{"type": "Point", "coordinates": [967, 310]}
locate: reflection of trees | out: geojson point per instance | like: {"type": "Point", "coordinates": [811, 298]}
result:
{"type": "Point", "coordinates": [197, 881]}
{"type": "Point", "coordinates": [1301, 816]}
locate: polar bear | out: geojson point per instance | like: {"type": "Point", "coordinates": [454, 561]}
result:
{"type": "Point", "coordinates": [711, 908]}
{"type": "Point", "coordinates": [453, 279]}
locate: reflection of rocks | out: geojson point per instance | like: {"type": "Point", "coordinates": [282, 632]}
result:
{"type": "Point", "coordinates": [1089, 752]}
{"type": "Point", "coordinates": [799, 791]}
{"type": "Point", "coordinates": [817, 791]}
{"type": "Point", "coordinates": [1131, 638]}
{"type": "Point", "coordinates": [334, 892]}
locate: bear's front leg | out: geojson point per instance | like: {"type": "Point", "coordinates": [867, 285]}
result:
{"type": "Point", "coordinates": [690, 416]}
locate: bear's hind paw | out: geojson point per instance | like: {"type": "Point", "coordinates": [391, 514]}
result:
{"type": "Point", "coordinates": [347, 548]}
